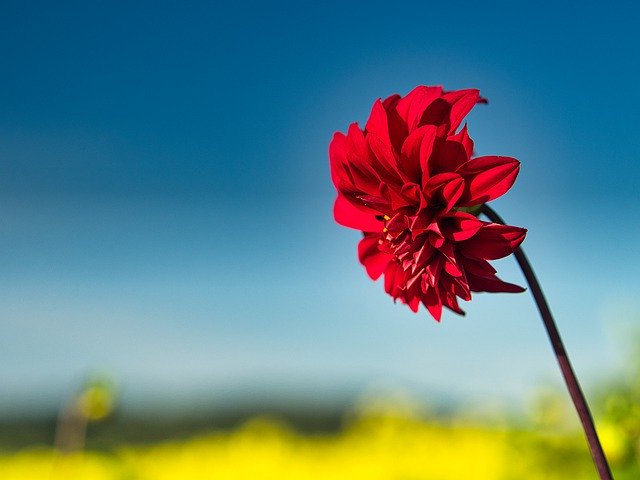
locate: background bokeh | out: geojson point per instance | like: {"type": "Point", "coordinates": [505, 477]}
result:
{"type": "Point", "coordinates": [166, 207]}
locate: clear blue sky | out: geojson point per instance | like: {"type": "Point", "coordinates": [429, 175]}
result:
{"type": "Point", "coordinates": [165, 202]}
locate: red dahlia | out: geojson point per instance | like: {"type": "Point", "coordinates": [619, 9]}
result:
{"type": "Point", "coordinates": [408, 182]}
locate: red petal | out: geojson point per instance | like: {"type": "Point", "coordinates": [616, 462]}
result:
{"type": "Point", "coordinates": [412, 192]}
{"type": "Point", "coordinates": [414, 303]}
{"type": "Point", "coordinates": [371, 257]}
{"type": "Point", "coordinates": [390, 102]}
{"type": "Point", "coordinates": [444, 188]}
{"type": "Point", "coordinates": [493, 241]}
{"type": "Point", "coordinates": [398, 222]}
{"type": "Point", "coordinates": [426, 150]}
{"type": "Point", "coordinates": [464, 138]}
{"type": "Point", "coordinates": [462, 101]}
{"type": "Point", "coordinates": [386, 157]}
{"type": "Point", "coordinates": [432, 301]}
{"type": "Point", "coordinates": [417, 149]}
{"type": "Point", "coordinates": [357, 146]}
{"type": "Point", "coordinates": [451, 264]}
{"type": "Point", "coordinates": [413, 105]}
{"type": "Point", "coordinates": [377, 123]}
{"type": "Point", "coordinates": [460, 287]}
{"type": "Point", "coordinates": [390, 283]}
{"type": "Point", "coordinates": [459, 226]}
{"type": "Point", "coordinates": [397, 125]}
{"type": "Point", "coordinates": [338, 157]}
{"type": "Point", "coordinates": [397, 197]}
{"type": "Point", "coordinates": [450, 301]}
{"type": "Point", "coordinates": [348, 215]}
{"type": "Point", "coordinates": [487, 178]}
{"type": "Point", "coordinates": [437, 113]}
{"type": "Point", "coordinates": [478, 267]}
{"type": "Point", "coordinates": [364, 178]}
{"type": "Point", "coordinates": [421, 222]}
{"type": "Point", "coordinates": [448, 156]}
{"type": "Point", "coordinates": [451, 192]}
{"type": "Point", "coordinates": [368, 203]}
{"type": "Point", "coordinates": [492, 284]}
{"type": "Point", "coordinates": [432, 272]}
{"type": "Point", "coordinates": [423, 256]}
{"type": "Point", "coordinates": [452, 269]}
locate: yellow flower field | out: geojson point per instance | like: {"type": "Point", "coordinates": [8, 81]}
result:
{"type": "Point", "coordinates": [374, 446]}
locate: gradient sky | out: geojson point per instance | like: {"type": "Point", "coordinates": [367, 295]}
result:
{"type": "Point", "coordinates": [165, 202]}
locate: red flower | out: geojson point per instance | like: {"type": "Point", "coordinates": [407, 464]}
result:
{"type": "Point", "coordinates": [409, 183]}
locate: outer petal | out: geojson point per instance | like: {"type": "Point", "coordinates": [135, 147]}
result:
{"type": "Point", "coordinates": [357, 149]}
{"type": "Point", "coordinates": [493, 241]}
{"type": "Point", "coordinates": [413, 105]}
{"type": "Point", "coordinates": [460, 226]}
{"type": "Point", "coordinates": [348, 215]}
{"type": "Point", "coordinates": [397, 125]}
{"type": "Point", "coordinates": [362, 177]}
{"type": "Point", "coordinates": [487, 178]}
{"type": "Point", "coordinates": [390, 102]}
{"type": "Point", "coordinates": [387, 163]}
{"type": "Point", "coordinates": [461, 101]}
{"type": "Point", "coordinates": [371, 257]}
{"type": "Point", "coordinates": [464, 138]}
{"type": "Point", "coordinates": [491, 284]}
{"type": "Point", "coordinates": [413, 301]}
{"type": "Point", "coordinates": [390, 278]}
{"type": "Point", "coordinates": [378, 123]}
{"type": "Point", "coordinates": [450, 301]}
{"type": "Point", "coordinates": [432, 301]}
{"type": "Point", "coordinates": [478, 267]}
{"type": "Point", "coordinates": [449, 110]}
{"type": "Point", "coordinates": [338, 157]}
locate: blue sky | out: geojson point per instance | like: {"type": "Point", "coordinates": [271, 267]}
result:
{"type": "Point", "coordinates": [165, 202]}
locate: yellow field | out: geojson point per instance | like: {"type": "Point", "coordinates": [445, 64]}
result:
{"type": "Point", "coordinates": [387, 445]}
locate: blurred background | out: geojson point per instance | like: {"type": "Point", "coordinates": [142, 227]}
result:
{"type": "Point", "coordinates": [169, 264]}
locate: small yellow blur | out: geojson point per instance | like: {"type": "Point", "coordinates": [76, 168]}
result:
{"type": "Point", "coordinates": [96, 402]}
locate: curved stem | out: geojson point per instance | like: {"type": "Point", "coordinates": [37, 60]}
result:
{"type": "Point", "coordinates": [561, 356]}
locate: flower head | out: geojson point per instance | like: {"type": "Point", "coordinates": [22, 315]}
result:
{"type": "Point", "coordinates": [409, 183]}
